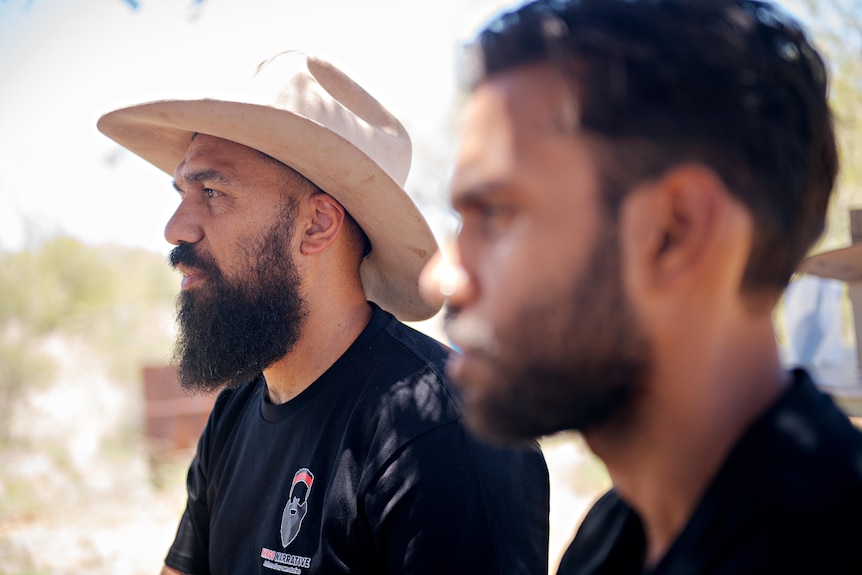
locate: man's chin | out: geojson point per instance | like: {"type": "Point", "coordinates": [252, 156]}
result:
{"type": "Point", "coordinates": [483, 394]}
{"type": "Point", "coordinates": [488, 429]}
{"type": "Point", "coordinates": [499, 426]}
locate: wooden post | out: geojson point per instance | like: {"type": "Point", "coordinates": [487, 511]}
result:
{"type": "Point", "coordinates": [854, 286]}
{"type": "Point", "coordinates": [174, 419]}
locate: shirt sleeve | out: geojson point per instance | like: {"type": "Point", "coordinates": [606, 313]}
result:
{"type": "Point", "coordinates": [189, 552]}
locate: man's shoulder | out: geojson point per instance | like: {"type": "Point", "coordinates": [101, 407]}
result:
{"type": "Point", "coordinates": [810, 444]}
{"type": "Point", "coordinates": [609, 530]}
{"type": "Point", "coordinates": [409, 380]}
{"type": "Point", "coordinates": [406, 359]}
{"type": "Point", "coordinates": [231, 402]}
{"type": "Point", "coordinates": [412, 342]}
{"type": "Point", "coordinates": [791, 492]}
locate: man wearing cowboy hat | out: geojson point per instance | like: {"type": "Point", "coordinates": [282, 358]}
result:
{"type": "Point", "coordinates": [337, 445]}
{"type": "Point", "coordinates": [638, 180]}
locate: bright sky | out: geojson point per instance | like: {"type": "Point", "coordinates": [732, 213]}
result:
{"type": "Point", "coordinates": [63, 63]}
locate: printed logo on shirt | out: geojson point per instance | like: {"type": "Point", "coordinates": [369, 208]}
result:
{"type": "Point", "coordinates": [297, 506]}
{"type": "Point", "coordinates": [284, 562]}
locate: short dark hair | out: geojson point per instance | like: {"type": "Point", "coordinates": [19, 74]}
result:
{"type": "Point", "coordinates": [731, 84]}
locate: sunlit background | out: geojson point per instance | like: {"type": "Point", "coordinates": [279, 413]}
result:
{"type": "Point", "coordinates": [86, 300]}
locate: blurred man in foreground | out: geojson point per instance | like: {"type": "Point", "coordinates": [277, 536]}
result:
{"type": "Point", "coordinates": [337, 446]}
{"type": "Point", "coordinates": [637, 181]}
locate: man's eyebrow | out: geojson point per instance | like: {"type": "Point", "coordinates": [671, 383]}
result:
{"type": "Point", "coordinates": [210, 175]}
{"type": "Point", "coordinates": [475, 194]}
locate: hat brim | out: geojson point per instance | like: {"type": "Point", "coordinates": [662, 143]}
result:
{"type": "Point", "coordinates": [843, 264]}
{"type": "Point", "coordinates": [402, 242]}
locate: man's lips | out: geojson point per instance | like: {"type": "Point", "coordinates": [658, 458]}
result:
{"type": "Point", "coordinates": [191, 277]}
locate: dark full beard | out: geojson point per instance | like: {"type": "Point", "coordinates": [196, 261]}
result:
{"type": "Point", "coordinates": [576, 361]}
{"type": "Point", "coordinates": [232, 329]}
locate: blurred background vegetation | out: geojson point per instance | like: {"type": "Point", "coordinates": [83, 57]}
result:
{"type": "Point", "coordinates": [113, 301]}
{"type": "Point", "coordinates": [77, 323]}
{"type": "Point", "coordinates": [837, 29]}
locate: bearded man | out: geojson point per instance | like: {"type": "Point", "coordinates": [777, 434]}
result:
{"type": "Point", "coordinates": [637, 181]}
{"type": "Point", "coordinates": [337, 444]}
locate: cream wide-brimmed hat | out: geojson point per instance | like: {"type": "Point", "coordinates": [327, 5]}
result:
{"type": "Point", "coordinates": [306, 113]}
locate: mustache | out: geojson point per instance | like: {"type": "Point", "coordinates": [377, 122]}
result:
{"type": "Point", "coordinates": [190, 256]}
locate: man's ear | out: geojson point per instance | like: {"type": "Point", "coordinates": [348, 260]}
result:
{"type": "Point", "coordinates": [324, 224]}
{"type": "Point", "coordinates": [670, 224]}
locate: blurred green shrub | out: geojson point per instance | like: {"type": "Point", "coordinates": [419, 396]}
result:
{"type": "Point", "coordinates": [116, 300]}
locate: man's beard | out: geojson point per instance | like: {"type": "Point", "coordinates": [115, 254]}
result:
{"type": "Point", "coordinates": [231, 329]}
{"type": "Point", "coordinates": [575, 360]}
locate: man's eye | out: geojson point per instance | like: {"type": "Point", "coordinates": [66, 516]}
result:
{"type": "Point", "coordinates": [211, 193]}
{"type": "Point", "coordinates": [487, 219]}
{"type": "Point", "coordinates": [496, 212]}
{"type": "Point", "coordinates": [491, 211]}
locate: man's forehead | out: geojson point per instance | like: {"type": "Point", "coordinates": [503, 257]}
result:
{"type": "Point", "coordinates": [536, 97]}
{"type": "Point", "coordinates": [507, 117]}
{"type": "Point", "coordinates": [210, 159]}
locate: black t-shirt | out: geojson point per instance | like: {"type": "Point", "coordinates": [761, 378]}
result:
{"type": "Point", "coordinates": [788, 500]}
{"type": "Point", "coordinates": [369, 470]}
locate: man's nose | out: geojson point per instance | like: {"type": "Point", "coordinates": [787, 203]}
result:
{"type": "Point", "coordinates": [444, 280]}
{"type": "Point", "coordinates": [184, 226]}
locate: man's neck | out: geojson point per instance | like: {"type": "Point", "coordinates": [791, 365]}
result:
{"type": "Point", "coordinates": [328, 332]}
{"type": "Point", "coordinates": [685, 426]}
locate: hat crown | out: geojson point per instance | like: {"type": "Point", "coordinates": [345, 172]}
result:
{"type": "Point", "coordinates": [318, 91]}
